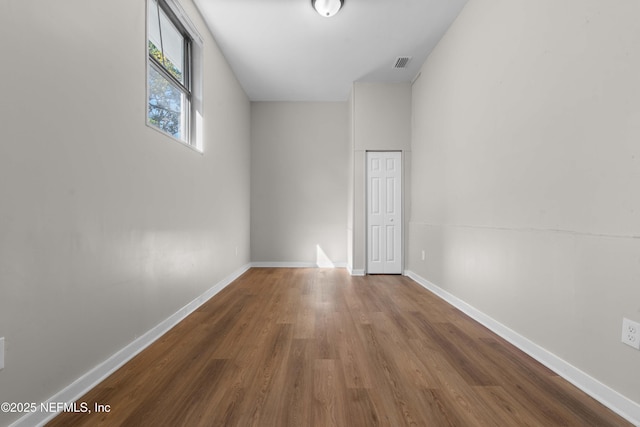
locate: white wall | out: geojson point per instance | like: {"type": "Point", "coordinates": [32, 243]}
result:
{"type": "Point", "coordinates": [299, 181]}
{"type": "Point", "coordinates": [350, 182]}
{"type": "Point", "coordinates": [526, 122]}
{"type": "Point", "coordinates": [381, 121]}
{"type": "Point", "coordinates": [107, 227]}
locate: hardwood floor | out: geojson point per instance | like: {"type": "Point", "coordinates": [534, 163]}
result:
{"type": "Point", "coordinates": [316, 347]}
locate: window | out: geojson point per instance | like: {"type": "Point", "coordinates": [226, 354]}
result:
{"type": "Point", "coordinates": [172, 90]}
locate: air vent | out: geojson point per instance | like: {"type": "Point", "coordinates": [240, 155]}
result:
{"type": "Point", "coordinates": [402, 61]}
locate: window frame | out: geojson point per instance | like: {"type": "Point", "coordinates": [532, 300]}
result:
{"type": "Point", "coordinates": [191, 89]}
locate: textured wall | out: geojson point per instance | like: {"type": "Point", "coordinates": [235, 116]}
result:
{"type": "Point", "coordinates": [526, 124]}
{"type": "Point", "coordinates": [381, 121]}
{"type": "Point", "coordinates": [107, 227]}
{"type": "Point", "coordinates": [299, 159]}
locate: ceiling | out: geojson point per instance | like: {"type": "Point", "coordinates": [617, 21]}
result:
{"type": "Point", "coordinates": [283, 50]}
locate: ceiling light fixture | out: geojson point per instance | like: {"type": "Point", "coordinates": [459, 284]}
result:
{"type": "Point", "coordinates": [327, 8]}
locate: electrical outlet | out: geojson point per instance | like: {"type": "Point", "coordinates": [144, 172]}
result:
{"type": "Point", "coordinates": [2, 353]}
{"type": "Point", "coordinates": [423, 254]}
{"type": "Point", "coordinates": [631, 333]}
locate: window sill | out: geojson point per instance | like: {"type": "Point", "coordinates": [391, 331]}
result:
{"type": "Point", "coordinates": [173, 138]}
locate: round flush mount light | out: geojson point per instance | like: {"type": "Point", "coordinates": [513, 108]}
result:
{"type": "Point", "coordinates": [327, 8]}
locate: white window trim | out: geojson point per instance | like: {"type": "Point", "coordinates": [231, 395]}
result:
{"type": "Point", "coordinates": [196, 137]}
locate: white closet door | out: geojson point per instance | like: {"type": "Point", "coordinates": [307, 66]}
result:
{"type": "Point", "coordinates": [384, 212]}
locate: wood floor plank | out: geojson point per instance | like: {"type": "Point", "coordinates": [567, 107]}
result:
{"type": "Point", "coordinates": [328, 394]}
{"type": "Point", "coordinates": [458, 353]}
{"type": "Point", "coordinates": [360, 409]}
{"type": "Point", "coordinates": [411, 371]}
{"type": "Point", "coordinates": [582, 405]}
{"type": "Point", "coordinates": [509, 409]}
{"type": "Point", "coordinates": [354, 303]}
{"type": "Point", "coordinates": [292, 400]}
{"type": "Point", "coordinates": [521, 378]}
{"type": "Point", "coordinates": [317, 347]}
{"type": "Point", "coordinates": [351, 352]}
{"type": "Point", "coordinates": [453, 391]}
{"type": "Point", "coordinates": [392, 392]}
{"type": "Point", "coordinates": [268, 363]}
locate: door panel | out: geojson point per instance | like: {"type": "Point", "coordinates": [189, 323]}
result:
{"type": "Point", "coordinates": [390, 196]}
{"type": "Point", "coordinates": [390, 250]}
{"type": "Point", "coordinates": [384, 212]}
{"type": "Point", "coordinates": [375, 196]}
{"type": "Point", "coordinates": [375, 243]}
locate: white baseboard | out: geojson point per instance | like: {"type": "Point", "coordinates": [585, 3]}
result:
{"type": "Point", "coordinates": [269, 264]}
{"type": "Point", "coordinates": [92, 378]}
{"type": "Point", "coordinates": [357, 272]}
{"type": "Point", "coordinates": [615, 401]}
